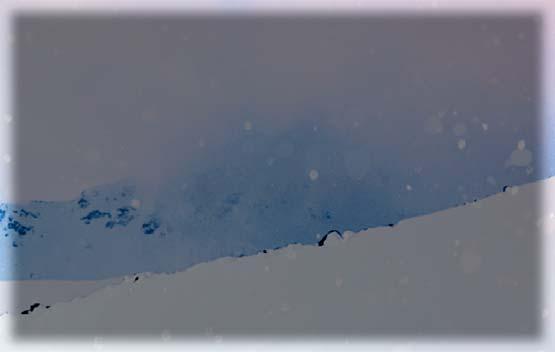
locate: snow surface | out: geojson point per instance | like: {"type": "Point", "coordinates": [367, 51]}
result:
{"type": "Point", "coordinates": [452, 273]}
{"type": "Point", "coordinates": [46, 291]}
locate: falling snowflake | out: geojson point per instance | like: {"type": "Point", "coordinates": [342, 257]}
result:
{"type": "Point", "coordinates": [247, 125]}
{"type": "Point", "coordinates": [135, 203]}
{"type": "Point", "coordinates": [521, 156]}
{"type": "Point", "coordinates": [313, 174]}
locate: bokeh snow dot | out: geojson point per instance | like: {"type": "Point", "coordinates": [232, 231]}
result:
{"type": "Point", "coordinates": [135, 203]}
{"type": "Point", "coordinates": [247, 126]}
{"type": "Point", "coordinates": [521, 156]}
{"type": "Point", "coordinates": [461, 144]}
{"type": "Point", "coordinates": [313, 174]}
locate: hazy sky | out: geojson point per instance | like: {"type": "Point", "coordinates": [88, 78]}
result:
{"type": "Point", "coordinates": [100, 98]}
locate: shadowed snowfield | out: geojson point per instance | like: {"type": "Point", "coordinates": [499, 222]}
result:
{"type": "Point", "coordinates": [380, 282]}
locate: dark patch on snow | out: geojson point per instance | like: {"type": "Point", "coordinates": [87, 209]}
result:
{"type": "Point", "coordinates": [151, 226]}
{"type": "Point", "coordinates": [123, 217]}
{"type": "Point", "coordinates": [95, 214]}
{"type": "Point", "coordinates": [31, 309]}
{"type": "Point", "coordinates": [18, 227]}
{"type": "Point", "coordinates": [83, 203]}
{"type": "Point", "coordinates": [26, 213]}
{"type": "Point", "coordinates": [323, 240]}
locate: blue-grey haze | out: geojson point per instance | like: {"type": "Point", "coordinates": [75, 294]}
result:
{"type": "Point", "coordinates": [239, 134]}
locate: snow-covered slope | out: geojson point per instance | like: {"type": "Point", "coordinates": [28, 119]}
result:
{"type": "Point", "coordinates": [470, 270]}
{"type": "Point", "coordinates": [260, 189]}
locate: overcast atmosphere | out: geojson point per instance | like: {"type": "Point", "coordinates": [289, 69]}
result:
{"type": "Point", "coordinates": [104, 98]}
